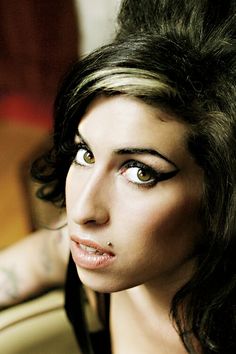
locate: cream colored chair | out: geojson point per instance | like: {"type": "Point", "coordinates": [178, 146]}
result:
{"type": "Point", "coordinates": [38, 326]}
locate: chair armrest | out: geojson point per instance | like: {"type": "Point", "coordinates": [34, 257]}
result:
{"type": "Point", "coordinates": [37, 326]}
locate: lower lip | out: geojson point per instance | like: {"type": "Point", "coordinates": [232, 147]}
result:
{"type": "Point", "coordinates": [89, 260]}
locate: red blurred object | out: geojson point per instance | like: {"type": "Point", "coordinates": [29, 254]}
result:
{"type": "Point", "coordinates": [26, 109]}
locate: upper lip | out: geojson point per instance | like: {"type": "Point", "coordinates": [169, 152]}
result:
{"type": "Point", "coordinates": [90, 243]}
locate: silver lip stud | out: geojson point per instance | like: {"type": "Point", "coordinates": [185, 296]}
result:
{"type": "Point", "coordinates": [109, 244]}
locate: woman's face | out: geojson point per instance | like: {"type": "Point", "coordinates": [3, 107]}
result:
{"type": "Point", "coordinates": [132, 184]}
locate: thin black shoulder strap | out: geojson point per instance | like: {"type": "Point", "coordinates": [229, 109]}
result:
{"type": "Point", "coordinates": [74, 307]}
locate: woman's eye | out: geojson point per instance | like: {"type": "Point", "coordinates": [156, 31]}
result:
{"type": "Point", "coordinates": [139, 175]}
{"type": "Point", "coordinates": [142, 175]}
{"type": "Point", "coordinates": [84, 157]}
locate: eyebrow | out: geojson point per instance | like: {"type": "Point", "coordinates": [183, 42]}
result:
{"type": "Point", "coordinates": [134, 151]}
{"type": "Point", "coordinates": [141, 151]}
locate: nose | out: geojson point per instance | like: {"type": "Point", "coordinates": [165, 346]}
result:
{"type": "Point", "coordinates": [91, 205]}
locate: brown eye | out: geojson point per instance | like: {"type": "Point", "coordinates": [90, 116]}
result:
{"type": "Point", "coordinates": [143, 176]}
{"type": "Point", "coordinates": [84, 157]}
{"type": "Point", "coordinates": [139, 175]}
{"type": "Point", "coordinates": [88, 157]}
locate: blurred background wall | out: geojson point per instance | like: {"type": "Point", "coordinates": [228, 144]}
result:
{"type": "Point", "coordinates": [39, 40]}
{"type": "Point", "coordinates": [97, 22]}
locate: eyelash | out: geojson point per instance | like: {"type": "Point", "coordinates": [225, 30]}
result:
{"type": "Point", "coordinates": [156, 176]}
{"type": "Point", "coordinates": [79, 146]}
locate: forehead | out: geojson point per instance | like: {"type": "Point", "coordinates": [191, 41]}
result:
{"type": "Point", "coordinates": [120, 121]}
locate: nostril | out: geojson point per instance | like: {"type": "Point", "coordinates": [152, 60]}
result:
{"type": "Point", "coordinates": [96, 216]}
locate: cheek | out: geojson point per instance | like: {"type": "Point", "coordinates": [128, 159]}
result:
{"type": "Point", "coordinates": [157, 237]}
{"type": "Point", "coordinates": [71, 190]}
{"type": "Point", "coordinates": [68, 186]}
{"type": "Point", "coordinates": [162, 218]}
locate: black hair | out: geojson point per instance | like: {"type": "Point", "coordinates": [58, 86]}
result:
{"type": "Point", "coordinates": [180, 57]}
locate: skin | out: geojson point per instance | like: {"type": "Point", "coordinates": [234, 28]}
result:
{"type": "Point", "coordinates": [154, 228]}
{"type": "Point", "coordinates": [44, 266]}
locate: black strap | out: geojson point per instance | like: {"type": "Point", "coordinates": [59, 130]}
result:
{"type": "Point", "coordinates": [74, 306]}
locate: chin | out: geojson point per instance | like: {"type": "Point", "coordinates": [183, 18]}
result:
{"type": "Point", "coordinates": [99, 281]}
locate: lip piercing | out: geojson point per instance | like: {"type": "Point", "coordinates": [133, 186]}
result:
{"type": "Point", "coordinates": [109, 244]}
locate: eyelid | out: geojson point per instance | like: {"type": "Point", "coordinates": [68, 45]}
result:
{"type": "Point", "coordinates": [136, 163]}
{"type": "Point", "coordinates": [79, 146]}
{"type": "Point", "coordinates": [158, 176]}
{"type": "Point", "coordinates": [82, 144]}
{"type": "Point", "coordinates": [140, 165]}
{"type": "Point", "coordinates": [80, 140]}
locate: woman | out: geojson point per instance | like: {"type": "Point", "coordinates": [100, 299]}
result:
{"type": "Point", "coordinates": [146, 129]}
{"type": "Point", "coordinates": [145, 145]}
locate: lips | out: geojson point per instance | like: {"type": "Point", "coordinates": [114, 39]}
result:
{"type": "Point", "coordinates": [90, 255]}
{"type": "Point", "coordinates": [90, 246]}
{"type": "Point", "coordinates": [91, 249]}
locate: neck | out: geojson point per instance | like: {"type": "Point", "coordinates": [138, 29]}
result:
{"type": "Point", "coordinates": [148, 326]}
{"type": "Point", "coordinates": [149, 300]}
{"type": "Point", "coordinates": [158, 294]}
{"type": "Point", "coordinates": [146, 311]}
